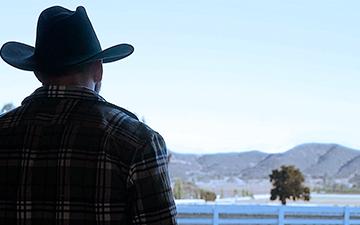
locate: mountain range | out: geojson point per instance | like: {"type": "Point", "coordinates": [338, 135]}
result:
{"type": "Point", "coordinates": [315, 161]}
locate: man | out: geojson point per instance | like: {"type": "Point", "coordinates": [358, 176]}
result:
{"type": "Point", "coordinates": [66, 155]}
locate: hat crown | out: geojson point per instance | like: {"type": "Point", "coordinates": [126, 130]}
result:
{"type": "Point", "coordinates": [64, 37]}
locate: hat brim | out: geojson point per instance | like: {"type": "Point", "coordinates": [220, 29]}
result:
{"type": "Point", "coordinates": [113, 53]}
{"type": "Point", "coordinates": [21, 56]}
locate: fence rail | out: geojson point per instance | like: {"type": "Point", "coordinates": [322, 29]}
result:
{"type": "Point", "coordinates": [267, 214]}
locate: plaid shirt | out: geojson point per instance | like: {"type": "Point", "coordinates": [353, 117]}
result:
{"type": "Point", "coordinates": [69, 157]}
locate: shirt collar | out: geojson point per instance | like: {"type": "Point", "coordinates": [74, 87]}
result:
{"type": "Point", "coordinates": [60, 91]}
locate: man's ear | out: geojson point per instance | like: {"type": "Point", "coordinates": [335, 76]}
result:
{"type": "Point", "coordinates": [39, 76]}
{"type": "Point", "coordinates": [98, 71]}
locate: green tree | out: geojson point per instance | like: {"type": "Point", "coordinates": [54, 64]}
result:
{"type": "Point", "coordinates": [288, 184]}
{"type": "Point", "coordinates": [178, 189]}
{"type": "Point", "coordinates": [207, 195]}
{"type": "Point", "coordinates": [246, 193]}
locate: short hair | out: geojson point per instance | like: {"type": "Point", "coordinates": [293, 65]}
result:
{"type": "Point", "coordinates": [82, 68]}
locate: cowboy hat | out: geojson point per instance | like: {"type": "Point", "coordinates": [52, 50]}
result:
{"type": "Point", "coordinates": [64, 39]}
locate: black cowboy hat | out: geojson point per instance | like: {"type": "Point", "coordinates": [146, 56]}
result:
{"type": "Point", "coordinates": [64, 39]}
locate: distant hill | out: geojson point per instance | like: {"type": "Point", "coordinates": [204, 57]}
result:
{"type": "Point", "coordinates": [315, 160]}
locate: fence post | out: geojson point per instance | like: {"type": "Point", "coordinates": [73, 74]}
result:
{"type": "Point", "coordinates": [346, 215]}
{"type": "Point", "coordinates": [281, 215]}
{"type": "Point", "coordinates": [215, 215]}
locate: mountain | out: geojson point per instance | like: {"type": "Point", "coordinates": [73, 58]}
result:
{"type": "Point", "coordinates": [351, 168]}
{"type": "Point", "coordinates": [334, 162]}
{"type": "Point", "coordinates": [301, 156]}
{"type": "Point", "coordinates": [315, 160]}
{"type": "Point", "coordinates": [230, 163]}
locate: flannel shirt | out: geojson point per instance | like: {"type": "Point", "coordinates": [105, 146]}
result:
{"type": "Point", "coordinates": [69, 157]}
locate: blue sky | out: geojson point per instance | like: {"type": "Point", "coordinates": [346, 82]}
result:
{"type": "Point", "coordinates": [218, 76]}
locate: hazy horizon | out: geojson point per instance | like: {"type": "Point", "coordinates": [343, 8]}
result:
{"type": "Point", "coordinates": [229, 151]}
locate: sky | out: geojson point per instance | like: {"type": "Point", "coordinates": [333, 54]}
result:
{"type": "Point", "coordinates": [220, 76]}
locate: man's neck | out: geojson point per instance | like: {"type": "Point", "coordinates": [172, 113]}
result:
{"type": "Point", "coordinates": [88, 85]}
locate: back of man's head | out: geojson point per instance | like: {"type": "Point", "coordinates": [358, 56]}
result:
{"type": "Point", "coordinates": [87, 75]}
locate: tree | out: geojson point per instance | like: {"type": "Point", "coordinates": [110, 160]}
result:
{"type": "Point", "coordinates": [288, 184]}
{"type": "Point", "coordinates": [7, 107]}
{"type": "Point", "coordinates": [143, 119]}
{"type": "Point", "coordinates": [169, 157]}
{"type": "Point", "coordinates": [207, 195]}
{"type": "Point", "coordinates": [178, 189]}
{"type": "Point", "coordinates": [235, 192]}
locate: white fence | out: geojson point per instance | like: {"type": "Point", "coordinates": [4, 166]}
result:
{"type": "Point", "coordinates": [267, 214]}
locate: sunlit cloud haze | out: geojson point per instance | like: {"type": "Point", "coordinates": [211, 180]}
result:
{"type": "Point", "coordinates": [216, 76]}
